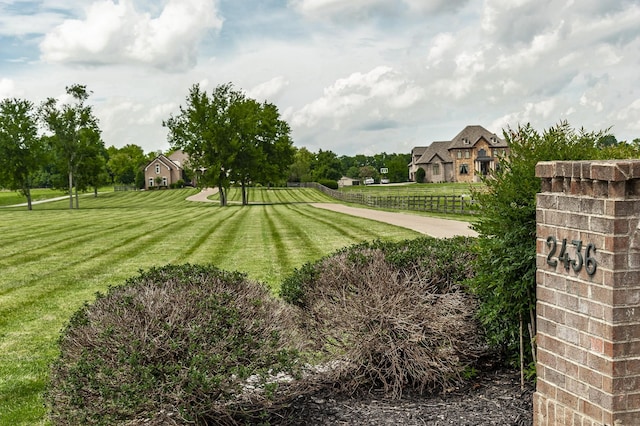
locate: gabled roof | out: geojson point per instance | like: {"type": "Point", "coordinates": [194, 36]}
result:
{"type": "Point", "coordinates": [470, 135]}
{"type": "Point", "coordinates": [439, 149]}
{"type": "Point", "coordinates": [179, 157]}
{"type": "Point", "coordinates": [165, 161]}
{"type": "Point", "coordinates": [418, 150]}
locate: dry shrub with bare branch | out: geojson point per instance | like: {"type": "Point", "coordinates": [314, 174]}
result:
{"type": "Point", "coordinates": [391, 316]}
{"type": "Point", "coordinates": [178, 345]}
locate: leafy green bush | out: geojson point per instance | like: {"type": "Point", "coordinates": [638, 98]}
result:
{"type": "Point", "coordinates": [176, 345]}
{"type": "Point", "coordinates": [420, 175]}
{"type": "Point", "coordinates": [329, 183]}
{"type": "Point", "coordinates": [391, 315]}
{"type": "Point", "coordinates": [505, 266]}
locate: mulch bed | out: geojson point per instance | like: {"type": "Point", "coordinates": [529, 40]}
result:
{"type": "Point", "coordinates": [492, 398]}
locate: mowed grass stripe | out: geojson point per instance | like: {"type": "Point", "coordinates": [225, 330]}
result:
{"type": "Point", "coordinates": [155, 228]}
{"type": "Point", "coordinates": [275, 249]}
{"type": "Point", "coordinates": [211, 235]}
{"type": "Point", "coordinates": [38, 290]}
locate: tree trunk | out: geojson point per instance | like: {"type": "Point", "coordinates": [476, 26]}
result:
{"type": "Point", "coordinates": [27, 193]}
{"type": "Point", "coordinates": [245, 198]}
{"type": "Point", "coordinates": [222, 195]}
{"type": "Point", "coordinates": [70, 189]}
{"type": "Point", "coordinates": [95, 192]}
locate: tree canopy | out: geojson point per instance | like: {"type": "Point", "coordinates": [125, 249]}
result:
{"type": "Point", "coordinates": [74, 138]}
{"type": "Point", "coordinates": [21, 148]}
{"type": "Point", "coordinates": [230, 137]}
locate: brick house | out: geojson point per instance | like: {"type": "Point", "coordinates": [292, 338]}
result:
{"type": "Point", "coordinates": [163, 170]}
{"type": "Point", "coordinates": [472, 153]}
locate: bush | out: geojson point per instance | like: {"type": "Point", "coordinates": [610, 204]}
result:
{"type": "Point", "coordinates": [329, 183]}
{"type": "Point", "coordinates": [391, 315]}
{"type": "Point", "coordinates": [420, 175]}
{"type": "Point", "coordinates": [177, 344]}
{"type": "Point", "coordinates": [505, 279]}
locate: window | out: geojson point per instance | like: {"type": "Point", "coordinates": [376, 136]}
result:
{"type": "Point", "coordinates": [464, 169]}
{"type": "Point", "coordinates": [459, 154]}
{"type": "Point", "coordinates": [164, 181]}
{"type": "Point", "coordinates": [466, 154]}
{"type": "Point", "coordinates": [157, 169]}
{"type": "Point", "coordinates": [436, 169]}
{"type": "Point", "coordinates": [150, 182]}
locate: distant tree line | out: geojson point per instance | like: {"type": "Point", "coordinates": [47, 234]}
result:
{"type": "Point", "coordinates": [326, 165]}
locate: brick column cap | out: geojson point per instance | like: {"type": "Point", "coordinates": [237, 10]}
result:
{"type": "Point", "coordinates": [604, 170]}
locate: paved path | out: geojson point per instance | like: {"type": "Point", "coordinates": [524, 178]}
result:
{"type": "Point", "coordinates": [203, 196]}
{"type": "Point", "coordinates": [435, 227]}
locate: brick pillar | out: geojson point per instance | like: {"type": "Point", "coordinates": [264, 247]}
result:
{"type": "Point", "coordinates": [588, 314]}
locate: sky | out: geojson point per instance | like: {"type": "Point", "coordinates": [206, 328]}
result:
{"type": "Point", "coordinates": [353, 77]}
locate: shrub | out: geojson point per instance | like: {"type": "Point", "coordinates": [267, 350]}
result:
{"type": "Point", "coordinates": [177, 344]}
{"type": "Point", "coordinates": [329, 183]}
{"type": "Point", "coordinates": [506, 263]}
{"type": "Point", "coordinates": [391, 315]}
{"type": "Point", "coordinates": [420, 175]}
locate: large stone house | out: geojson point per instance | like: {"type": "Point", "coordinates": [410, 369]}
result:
{"type": "Point", "coordinates": [164, 170]}
{"type": "Point", "coordinates": [471, 154]}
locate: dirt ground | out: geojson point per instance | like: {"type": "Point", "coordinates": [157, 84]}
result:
{"type": "Point", "coordinates": [493, 398]}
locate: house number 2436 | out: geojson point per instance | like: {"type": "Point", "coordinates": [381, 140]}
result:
{"type": "Point", "coordinates": [588, 261]}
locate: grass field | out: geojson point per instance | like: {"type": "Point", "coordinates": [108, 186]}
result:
{"type": "Point", "coordinates": [8, 198]}
{"type": "Point", "coordinates": [54, 259]}
{"type": "Point", "coordinates": [451, 188]}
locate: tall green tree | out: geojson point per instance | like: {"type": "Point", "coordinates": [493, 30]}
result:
{"type": "Point", "coordinates": [506, 267]}
{"type": "Point", "coordinates": [21, 149]}
{"type": "Point", "coordinates": [276, 146]}
{"type": "Point", "coordinates": [230, 137]}
{"type": "Point", "coordinates": [204, 131]}
{"type": "Point", "coordinates": [326, 165]}
{"type": "Point", "coordinates": [125, 163]}
{"type": "Point", "coordinates": [91, 172]}
{"type": "Point", "coordinates": [300, 169]}
{"type": "Point", "coordinates": [73, 128]}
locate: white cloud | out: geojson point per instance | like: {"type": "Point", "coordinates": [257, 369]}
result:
{"type": "Point", "coordinates": [359, 9]}
{"type": "Point", "coordinates": [7, 88]}
{"type": "Point", "coordinates": [351, 76]}
{"type": "Point", "coordinates": [381, 88]}
{"type": "Point", "coordinates": [268, 90]}
{"type": "Point", "coordinates": [441, 46]}
{"type": "Point", "coordinates": [117, 33]}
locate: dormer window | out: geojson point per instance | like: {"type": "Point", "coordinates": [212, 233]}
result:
{"type": "Point", "coordinates": [465, 141]}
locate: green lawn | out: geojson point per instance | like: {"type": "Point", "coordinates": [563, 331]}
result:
{"type": "Point", "coordinates": [451, 188]}
{"type": "Point", "coordinates": [8, 198]}
{"type": "Point", "coordinates": [54, 259]}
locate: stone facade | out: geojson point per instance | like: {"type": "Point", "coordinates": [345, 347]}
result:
{"type": "Point", "coordinates": [471, 154]}
{"type": "Point", "coordinates": [588, 327]}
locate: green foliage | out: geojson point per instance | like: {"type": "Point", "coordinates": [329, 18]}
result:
{"type": "Point", "coordinates": [506, 247]}
{"type": "Point", "coordinates": [329, 183]}
{"type": "Point", "coordinates": [230, 137]}
{"type": "Point", "coordinates": [176, 344]}
{"type": "Point", "coordinates": [21, 149]}
{"type": "Point", "coordinates": [390, 316]}
{"type": "Point", "coordinates": [75, 144]}
{"type": "Point", "coordinates": [420, 175]}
